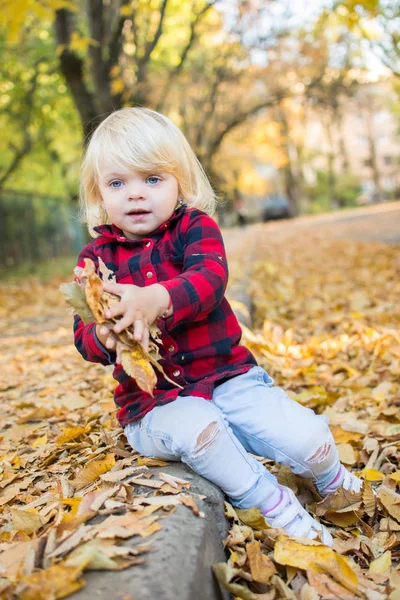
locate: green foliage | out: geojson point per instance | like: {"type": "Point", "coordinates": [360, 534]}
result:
{"type": "Point", "coordinates": [38, 120]}
{"type": "Point", "coordinates": [346, 191]}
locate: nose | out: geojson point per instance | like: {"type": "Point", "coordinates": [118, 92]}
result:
{"type": "Point", "coordinates": [136, 190]}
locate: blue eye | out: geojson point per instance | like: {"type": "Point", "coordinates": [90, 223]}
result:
{"type": "Point", "coordinates": [116, 183]}
{"type": "Point", "coordinates": [153, 180]}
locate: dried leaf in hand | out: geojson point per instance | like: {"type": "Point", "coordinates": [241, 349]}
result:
{"type": "Point", "coordinates": [135, 363]}
{"type": "Point", "coordinates": [75, 297]}
{"type": "Point", "coordinates": [93, 290]}
{"type": "Point", "coordinates": [92, 471]}
{"type": "Point", "coordinates": [107, 275]}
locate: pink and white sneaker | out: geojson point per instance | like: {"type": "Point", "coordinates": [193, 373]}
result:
{"type": "Point", "coordinates": [348, 481]}
{"type": "Point", "coordinates": [284, 511]}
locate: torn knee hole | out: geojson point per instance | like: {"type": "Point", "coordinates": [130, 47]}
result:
{"type": "Point", "coordinates": [320, 454]}
{"type": "Point", "coordinates": [206, 438]}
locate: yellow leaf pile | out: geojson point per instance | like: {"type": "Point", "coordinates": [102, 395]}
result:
{"type": "Point", "coordinates": [64, 458]}
{"type": "Point", "coordinates": [326, 328]}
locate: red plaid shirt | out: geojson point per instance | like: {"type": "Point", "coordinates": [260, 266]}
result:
{"type": "Point", "coordinates": [200, 340]}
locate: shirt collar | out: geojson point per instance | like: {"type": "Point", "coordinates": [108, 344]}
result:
{"type": "Point", "coordinates": [115, 233]}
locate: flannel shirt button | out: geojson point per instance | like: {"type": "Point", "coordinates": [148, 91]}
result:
{"type": "Point", "coordinates": [171, 348]}
{"type": "Point", "coordinates": [149, 274]}
{"type": "Point", "coordinates": [147, 244]}
{"type": "Point", "coordinates": [121, 238]}
{"type": "Point", "coordinates": [176, 373]}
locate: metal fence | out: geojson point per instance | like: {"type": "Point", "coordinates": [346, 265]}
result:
{"type": "Point", "coordinates": [35, 228]}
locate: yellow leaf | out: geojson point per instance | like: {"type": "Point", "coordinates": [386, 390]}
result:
{"type": "Point", "coordinates": [151, 462]}
{"type": "Point", "coordinates": [136, 364]}
{"type": "Point", "coordinates": [316, 557]}
{"type": "Point", "coordinates": [92, 471]}
{"type": "Point", "coordinates": [71, 433]}
{"type": "Point", "coordinates": [117, 86]}
{"type": "Point", "coordinates": [381, 564]}
{"type": "Point", "coordinates": [125, 11]}
{"type": "Point", "coordinates": [57, 581]}
{"type": "Point", "coordinates": [40, 441]}
{"type": "Point", "coordinates": [372, 475]}
{"type": "Point", "coordinates": [73, 503]}
{"type": "Point", "coordinates": [27, 521]}
{"type": "Point", "coordinates": [343, 437]}
{"type": "Point", "coordinates": [252, 518]}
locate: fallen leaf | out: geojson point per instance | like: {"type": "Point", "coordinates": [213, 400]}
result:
{"type": "Point", "coordinates": [27, 521]}
{"type": "Point", "coordinates": [261, 566]}
{"type": "Point", "coordinates": [252, 517]}
{"type": "Point", "coordinates": [317, 558]}
{"type": "Point", "coordinates": [92, 471]}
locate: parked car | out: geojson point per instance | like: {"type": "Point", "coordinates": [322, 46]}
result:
{"type": "Point", "coordinates": [276, 207]}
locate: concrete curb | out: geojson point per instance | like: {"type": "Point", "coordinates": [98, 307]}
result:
{"type": "Point", "coordinates": [179, 564]}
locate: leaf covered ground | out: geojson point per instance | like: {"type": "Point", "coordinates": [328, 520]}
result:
{"type": "Point", "coordinates": [326, 328]}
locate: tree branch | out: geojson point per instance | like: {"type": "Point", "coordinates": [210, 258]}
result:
{"type": "Point", "coordinates": [99, 65]}
{"type": "Point", "coordinates": [24, 125]}
{"type": "Point", "coordinates": [116, 40]}
{"type": "Point", "coordinates": [239, 118]}
{"type": "Point", "coordinates": [174, 73]}
{"type": "Point", "coordinates": [73, 71]}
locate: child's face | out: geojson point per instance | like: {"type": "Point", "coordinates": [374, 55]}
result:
{"type": "Point", "coordinates": [138, 203]}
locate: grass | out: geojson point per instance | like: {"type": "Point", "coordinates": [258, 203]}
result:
{"type": "Point", "coordinates": [61, 266]}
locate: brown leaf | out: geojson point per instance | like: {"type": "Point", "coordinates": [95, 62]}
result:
{"type": "Point", "coordinates": [390, 502]}
{"type": "Point", "coordinates": [27, 521]}
{"type": "Point", "coordinates": [369, 499]}
{"type": "Point", "coordinates": [261, 566]}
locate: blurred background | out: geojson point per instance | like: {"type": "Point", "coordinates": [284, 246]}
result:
{"type": "Point", "coordinates": [292, 106]}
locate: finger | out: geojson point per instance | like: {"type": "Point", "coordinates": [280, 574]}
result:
{"type": "Point", "coordinates": [146, 339]}
{"type": "Point", "coordinates": [110, 343]}
{"type": "Point", "coordinates": [139, 327]}
{"type": "Point", "coordinates": [119, 356]}
{"type": "Point", "coordinates": [105, 329]}
{"type": "Point", "coordinates": [114, 288]}
{"type": "Point", "coordinates": [115, 311]}
{"type": "Point", "coordinates": [123, 323]}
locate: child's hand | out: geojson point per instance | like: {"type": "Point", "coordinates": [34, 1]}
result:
{"type": "Point", "coordinates": [139, 306]}
{"type": "Point", "coordinates": [106, 336]}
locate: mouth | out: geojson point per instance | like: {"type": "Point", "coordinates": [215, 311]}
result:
{"type": "Point", "coordinates": [138, 211]}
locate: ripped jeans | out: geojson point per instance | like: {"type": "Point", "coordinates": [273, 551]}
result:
{"type": "Point", "coordinates": [246, 414]}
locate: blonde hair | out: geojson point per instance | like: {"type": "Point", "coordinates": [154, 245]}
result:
{"type": "Point", "coordinates": [146, 141]}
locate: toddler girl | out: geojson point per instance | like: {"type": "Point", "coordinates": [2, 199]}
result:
{"type": "Point", "coordinates": [146, 201]}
